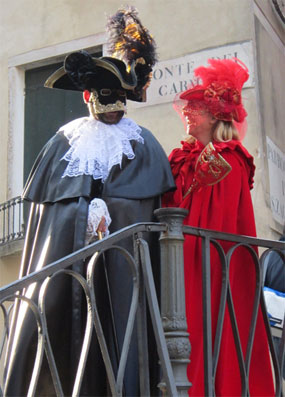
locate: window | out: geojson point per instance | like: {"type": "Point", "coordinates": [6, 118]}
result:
{"type": "Point", "coordinates": [46, 110]}
{"type": "Point", "coordinates": [35, 112]}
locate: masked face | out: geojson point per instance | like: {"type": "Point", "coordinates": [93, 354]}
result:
{"type": "Point", "coordinates": [106, 100]}
{"type": "Point", "coordinates": [200, 122]}
{"type": "Point", "coordinates": [196, 116]}
{"type": "Point", "coordinates": [106, 104]}
{"type": "Point", "coordinates": [108, 96]}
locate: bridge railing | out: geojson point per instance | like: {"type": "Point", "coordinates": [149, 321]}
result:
{"type": "Point", "coordinates": [167, 311]}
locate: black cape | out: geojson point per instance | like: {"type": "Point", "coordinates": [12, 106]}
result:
{"type": "Point", "coordinates": [56, 228]}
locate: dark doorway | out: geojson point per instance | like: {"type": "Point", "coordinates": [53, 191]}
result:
{"type": "Point", "coordinates": [46, 110]}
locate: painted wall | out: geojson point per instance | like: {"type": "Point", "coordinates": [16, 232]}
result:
{"type": "Point", "coordinates": [179, 27]}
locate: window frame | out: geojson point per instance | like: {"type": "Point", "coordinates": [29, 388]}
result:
{"type": "Point", "coordinates": [17, 66]}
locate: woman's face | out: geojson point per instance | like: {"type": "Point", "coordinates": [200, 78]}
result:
{"type": "Point", "coordinates": [198, 119]}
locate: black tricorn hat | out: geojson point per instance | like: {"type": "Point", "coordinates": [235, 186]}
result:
{"type": "Point", "coordinates": [83, 72]}
{"type": "Point", "coordinates": [133, 55]}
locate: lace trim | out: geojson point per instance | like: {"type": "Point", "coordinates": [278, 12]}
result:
{"type": "Point", "coordinates": [97, 209]}
{"type": "Point", "coordinates": [96, 147]}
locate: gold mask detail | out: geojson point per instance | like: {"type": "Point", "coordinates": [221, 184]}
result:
{"type": "Point", "coordinates": [110, 107]}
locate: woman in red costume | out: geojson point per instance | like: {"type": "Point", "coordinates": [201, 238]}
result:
{"type": "Point", "coordinates": [214, 175]}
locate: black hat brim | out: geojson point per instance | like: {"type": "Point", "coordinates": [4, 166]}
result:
{"type": "Point", "coordinates": [104, 70]}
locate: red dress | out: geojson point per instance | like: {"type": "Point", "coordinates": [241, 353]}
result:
{"type": "Point", "coordinates": [225, 206]}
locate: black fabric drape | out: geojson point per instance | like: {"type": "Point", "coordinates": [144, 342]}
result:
{"type": "Point", "coordinates": [56, 228]}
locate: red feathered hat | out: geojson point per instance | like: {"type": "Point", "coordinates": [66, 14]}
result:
{"type": "Point", "coordinates": [220, 90]}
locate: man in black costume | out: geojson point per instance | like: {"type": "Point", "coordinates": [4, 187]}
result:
{"type": "Point", "coordinates": [97, 173]}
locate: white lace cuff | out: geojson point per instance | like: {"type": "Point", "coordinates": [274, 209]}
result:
{"type": "Point", "coordinates": [97, 209]}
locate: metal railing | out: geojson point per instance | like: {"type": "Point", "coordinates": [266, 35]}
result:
{"type": "Point", "coordinates": [143, 285]}
{"type": "Point", "coordinates": [168, 320]}
{"type": "Point", "coordinates": [212, 347]}
{"type": "Point", "coordinates": [11, 220]}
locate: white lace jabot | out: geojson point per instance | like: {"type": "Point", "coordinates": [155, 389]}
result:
{"type": "Point", "coordinates": [96, 147]}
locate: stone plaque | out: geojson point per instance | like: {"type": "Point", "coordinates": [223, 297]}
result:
{"type": "Point", "coordinates": [276, 168]}
{"type": "Point", "coordinates": [175, 75]}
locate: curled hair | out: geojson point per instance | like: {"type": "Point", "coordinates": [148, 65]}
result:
{"type": "Point", "coordinates": [225, 131]}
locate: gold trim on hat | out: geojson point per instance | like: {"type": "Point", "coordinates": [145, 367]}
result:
{"type": "Point", "coordinates": [54, 77]}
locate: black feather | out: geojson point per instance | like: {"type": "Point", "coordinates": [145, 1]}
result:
{"type": "Point", "coordinates": [129, 39]}
{"type": "Point", "coordinates": [80, 68]}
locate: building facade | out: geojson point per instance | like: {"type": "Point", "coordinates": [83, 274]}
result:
{"type": "Point", "coordinates": [35, 38]}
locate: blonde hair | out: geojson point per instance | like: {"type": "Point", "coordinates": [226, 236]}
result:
{"type": "Point", "coordinates": [190, 139]}
{"type": "Point", "coordinates": [225, 131]}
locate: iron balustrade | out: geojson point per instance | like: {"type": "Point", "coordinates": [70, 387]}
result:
{"type": "Point", "coordinates": [141, 258]}
{"type": "Point", "coordinates": [11, 220]}
{"type": "Point", "coordinates": [211, 356]}
{"type": "Point", "coordinates": [168, 320]}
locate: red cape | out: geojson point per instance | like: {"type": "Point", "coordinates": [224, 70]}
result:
{"type": "Point", "coordinates": [227, 207]}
